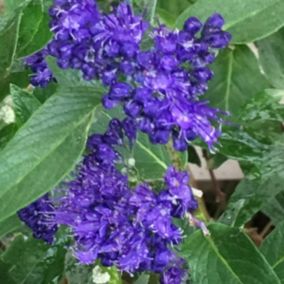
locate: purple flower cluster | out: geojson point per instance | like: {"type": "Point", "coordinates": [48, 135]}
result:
{"type": "Point", "coordinates": [132, 229]}
{"type": "Point", "coordinates": [159, 86]}
{"type": "Point", "coordinates": [41, 76]}
{"type": "Point", "coordinates": [40, 218]}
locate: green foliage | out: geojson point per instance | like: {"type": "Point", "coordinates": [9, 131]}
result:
{"type": "Point", "coordinates": [151, 161]}
{"type": "Point", "coordinates": [226, 256]}
{"type": "Point", "coordinates": [49, 134]}
{"type": "Point", "coordinates": [271, 52]}
{"type": "Point", "coordinates": [23, 30]}
{"type": "Point", "coordinates": [25, 104]}
{"type": "Point", "coordinates": [33, 30]}
{"type": "Point", "coordinates": [247, 20]}
{"type": "Point", "coordinates": [31, 261]}
{"type": "Point", "coordinates": [250, 197]}
{"type": "Point", "coordinates": [230, 89]}
{"type": "Point", "coordinates": [9, 225]}
{"type": "Point", "coordinates": [273, 249]}
{"type": "Point", "coordinates": [50, 149]}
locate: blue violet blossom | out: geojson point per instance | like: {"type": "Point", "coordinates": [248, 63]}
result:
{"type": "Point", "coordinates": [132, 229]}
{"type": "Point", "coordinates": [159, 87]}
{"type": "Point", "coordinates": [158, 76]}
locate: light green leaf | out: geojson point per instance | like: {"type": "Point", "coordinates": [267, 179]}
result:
{"type": "Point", "coordinates": [143, 279]}
{"type": "Point", "coordinates": [173, 8]}
{"type": "Point", "coordinates": [148, 8]}
{"type": "Point", "coordinates": [227, 256]}
{"type": "Point", "coordinates": [231, 89]}
{"type": "Point", "coordinates": [46, 173]}
{"type": "Point", "coordinates": [24, 103]}
{"type": "Point", "coordinates": [271, 56]}
{"type": "Point", "coordinates": [46, 148]}
{"type": "Point", "coordinates": [273, 249]}
{"type": "Point", "coordinates": [247, 20]}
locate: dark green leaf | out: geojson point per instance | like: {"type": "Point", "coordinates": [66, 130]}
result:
{"type": "Point", "coordinates": [274, 208]}
{"type": "Point", "coordinates": [6, 134]}
{"type": "Point", "coordinates": [5, 278]}
{"type": "Point", "coordinates": [33, 262]}
{"type": "Point", "coordinates": [193, 156]}
{"type": "Point", "coordinates": [9, 225]}
{"type": "Point", "coordinates": [230, 89]}
{"type": "Point", "coordinates": [34, 32]}
{"type": "Point", "coordinates": [259, 125]}
{"type": "Point", "coordinates": [273, 250]}
{"type": "Point", "coordinates": [247, 20]}
{"type": "Point", "coordinates": [25, 104]}
{"type": "Point", "coordinates": [271, 56]}
{"type": "Point", "coordinates": [173, 8]}
{"type": "Point", "coordinates": [227, 256]}
{"type": "Point", "coordinates": [249, 198]}
{"type": "Point", "coordinates": [9, 36]}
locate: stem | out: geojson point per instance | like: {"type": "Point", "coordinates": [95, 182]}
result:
{"type": "Point", "coordinates": [202, 210]}
{"type": "Point", "coordinates": [220, 195]}
{"type": "Point", "coordinates": [175, 158]}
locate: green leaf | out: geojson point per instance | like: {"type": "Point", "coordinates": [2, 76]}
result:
{"type": "Point", "coordinates": [25, 104]}
{"type": "Point", "coordinates": [34, 32]}
{"type": "Point", "coordinates": [4, 273]}
{"type": "Point", "coordinates": [49, 167]}
{"type": "Point", "coordinates": [227, 256]}
{"type": "Point", "coordinates": [8, 74]}
{"type": "Point", "coordinates": [151, 160]}
{"type": "Point", "coordinates": [173, 8]}
{"type": "Point", "coordinates": [143, 279]}
{"type": "Point", "coordinates": [148, 8]}
{"type": "Point", "coordinates": [247, 20]}
{"type": "Point", "coordinates": [76, 273]}
{"type": "Point", "coordinates": [9, 225]}
{"type": "Point", "coordinates": [9, 36]}
{"type": "Point", "coordinates": [249, 198]}
{"type": "Point", "coordinates": [274, 208]}
{"type": "Point", "coordinates": [193, 156]}
{"type": "Point", "coordinates": [230, 89]}
{"type": "Point", "coordinates": [46, 148]}
{"type": "Point", "coordinates": [33, 262]}
{"type": "Point", "coordinates": [6, 134]}
{"type": "Point", "coordinates": [259, 125]}
{"type": "Point", "coordinates": [271, 57]}
{"type": "Point", "coordinates": [273, 249]}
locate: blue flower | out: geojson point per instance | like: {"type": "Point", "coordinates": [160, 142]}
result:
{"type": "Point", "coordinates": [39, 216]}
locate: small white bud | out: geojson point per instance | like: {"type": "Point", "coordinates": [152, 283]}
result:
{"type": "Point", "coordinates": [7, 114]}
{"type": "Point", "coordinates": [131, 162]}
{"type": "Point", "coordinates": [99, 276]}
